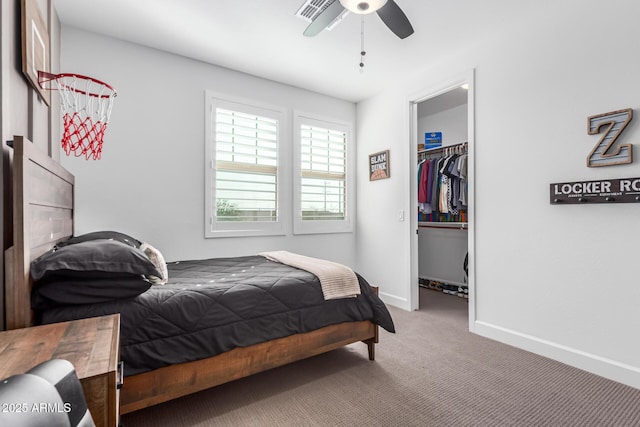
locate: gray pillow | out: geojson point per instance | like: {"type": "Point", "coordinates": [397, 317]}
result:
{"type": "Point", "coordinates": [101, 235]}
{"type": "Point", "coordinates": [64, 290]}
{"type": "Point", "coordinates": [87, 258]}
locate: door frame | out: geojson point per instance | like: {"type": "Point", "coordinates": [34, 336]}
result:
{"type": "Point", "coordinates": [467, 77]}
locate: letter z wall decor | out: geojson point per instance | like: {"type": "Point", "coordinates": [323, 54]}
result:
{"type": "Point", "coordinates": [606, 152]}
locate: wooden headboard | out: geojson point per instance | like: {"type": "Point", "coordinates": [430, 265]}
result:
{"type": "Point", "coordinates": [42, 216]}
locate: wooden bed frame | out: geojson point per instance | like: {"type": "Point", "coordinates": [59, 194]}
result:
{"type": "Point", "coordinates": [43, 193]}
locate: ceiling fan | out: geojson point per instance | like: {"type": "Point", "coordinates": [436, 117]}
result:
{"type": "Point", "coordinates": [387, 10]}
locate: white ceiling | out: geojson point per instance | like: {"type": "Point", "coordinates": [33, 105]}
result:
{"type": "Point", "coordinates": [264, 37]}
{"type": "Point", "coordinates": [450, 99]}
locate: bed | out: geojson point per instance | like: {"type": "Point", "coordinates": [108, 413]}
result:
{"type": "Point", "coordinates": [43, 218]}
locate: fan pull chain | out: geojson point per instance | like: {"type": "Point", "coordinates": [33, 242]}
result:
{"type": "Point", "coordinates": [362, 51]}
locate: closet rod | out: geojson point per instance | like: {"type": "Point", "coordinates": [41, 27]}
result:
{"type": "Point", "coordinates": [442, 149]}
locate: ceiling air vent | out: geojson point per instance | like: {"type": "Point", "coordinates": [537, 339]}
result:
{"type": "Point", "coordinates": [312, 8]}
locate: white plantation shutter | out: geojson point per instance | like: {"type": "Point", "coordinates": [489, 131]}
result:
{"type": "Point", "coordinates": [323, 190]}
{"type": "Point", "coordinates": [246, 167]}
{"type": "Point", "coordinates": [243, 176]}
{"type": "Point", "coordinates": [323, 168]}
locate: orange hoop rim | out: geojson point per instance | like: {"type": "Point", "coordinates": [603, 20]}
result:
{"type": "Point", "coordinates": [44, 77]}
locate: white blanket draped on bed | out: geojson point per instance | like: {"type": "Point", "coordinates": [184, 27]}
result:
{"type": "Point", "coordinates": [337, 280]}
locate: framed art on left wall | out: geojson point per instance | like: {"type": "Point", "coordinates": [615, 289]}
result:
{"type": "Point", "coordinates": [35, 43]}
{"type": "Point", "coordinates": [379, 166]}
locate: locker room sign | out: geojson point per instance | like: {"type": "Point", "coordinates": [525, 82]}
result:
{"type": "Point", "coordinates": [623, 190]}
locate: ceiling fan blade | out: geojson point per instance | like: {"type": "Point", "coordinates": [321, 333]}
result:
{"type": "Point", "coordinates": [325, 18]}
{"type": "Point", "coordinates": [395, 19]}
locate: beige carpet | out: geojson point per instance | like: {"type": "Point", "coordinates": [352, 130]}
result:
{"type": "Point", "coordinates": [433, 372]}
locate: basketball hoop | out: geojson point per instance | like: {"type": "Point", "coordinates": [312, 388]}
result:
{"type": "Point", "coordinates": [86, 107]}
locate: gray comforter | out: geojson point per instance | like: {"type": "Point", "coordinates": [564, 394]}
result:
{"type": "Point", "coordinates": [212, 306]}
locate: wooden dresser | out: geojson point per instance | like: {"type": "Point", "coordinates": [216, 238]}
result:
{"type": "Point", "coordinates": [91, 345]}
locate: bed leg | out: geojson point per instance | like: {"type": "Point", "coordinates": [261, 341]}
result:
{"type": "Point", "coordinates": [371, 343]}
{"type": "Point", "coordinates": [371, 346]}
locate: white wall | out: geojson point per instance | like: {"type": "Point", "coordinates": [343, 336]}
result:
{"type": "Point", "coordinates": [452, 123]}
{"type": "Point", "coordinates": [441, 253]}
{"type": "Point", "coordinates": [561, 281]}
{"type": "Point", "coordinates": [150, 180]}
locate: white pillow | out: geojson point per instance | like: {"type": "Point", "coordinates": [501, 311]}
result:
{"type": "Point", "coordinates": [158, 260]}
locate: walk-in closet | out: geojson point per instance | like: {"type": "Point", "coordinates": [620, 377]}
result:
{"type": "Point", "coordinates": [442, 177]}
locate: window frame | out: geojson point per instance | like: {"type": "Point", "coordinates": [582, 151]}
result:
{"type": "Point", "coordinates": [309, 226]}
{"type": "Point", "coordinates": [214, 228]}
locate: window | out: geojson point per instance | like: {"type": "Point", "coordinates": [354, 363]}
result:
{"type": "Point", "coordinates": [243, 176]}
{"type": "Point", "coordinates": [323, 191]}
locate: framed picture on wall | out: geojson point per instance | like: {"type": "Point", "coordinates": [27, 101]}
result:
{"type": "Point", "coordinates": [35, 43]}
{"type": "Point", "coordinates": [379, 166]}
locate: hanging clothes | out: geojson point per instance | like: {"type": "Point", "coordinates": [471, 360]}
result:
{"type": "Point", "coordinates": [423, 176]}
{"type": "Point", "coordinates": [442, 185]}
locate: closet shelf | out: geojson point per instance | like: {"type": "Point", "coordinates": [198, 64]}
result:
{"type": "Point", "coordinates": [449, 225]}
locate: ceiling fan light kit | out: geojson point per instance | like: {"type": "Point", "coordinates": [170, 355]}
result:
{"type": "Point", "coordinates": [362, 7]}
{"type": "Point", "coordinates": [388, 10]}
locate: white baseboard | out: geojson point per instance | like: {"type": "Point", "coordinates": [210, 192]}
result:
{"type": "Point", "coordinates": [607, 368]}
{"type": "Point", "coordinates": [395, 301]}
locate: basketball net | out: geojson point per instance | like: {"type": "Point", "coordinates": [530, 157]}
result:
{"type": "Point", "coordinates": [86, 105]}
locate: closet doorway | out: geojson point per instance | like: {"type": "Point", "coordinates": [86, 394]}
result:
{"type": "Point", "coordinates": [442, 129]}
